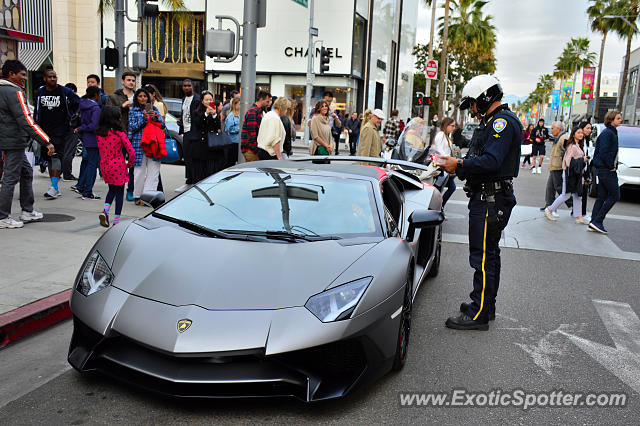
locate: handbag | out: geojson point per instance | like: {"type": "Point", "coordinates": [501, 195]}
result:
{"type": "Point", "coordinates": [172, 149]}
{"type": "Point", "coordinates": [218, 140]}
{"type": "Point", "coordinates": [322, 150]}
{"type": "Point", "coordinates": [526, 149]}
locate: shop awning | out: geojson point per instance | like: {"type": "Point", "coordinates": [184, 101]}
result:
{"type": "Point", "coordinates": [36, 19]}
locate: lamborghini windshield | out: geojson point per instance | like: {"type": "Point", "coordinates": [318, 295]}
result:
{"type": "Point", "coordinates": [274, 200]}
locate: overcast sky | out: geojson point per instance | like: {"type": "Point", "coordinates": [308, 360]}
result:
{"type": "Point", "coordinates": [531, 36]}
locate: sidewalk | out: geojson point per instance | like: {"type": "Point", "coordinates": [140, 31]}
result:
{"type": "Point", "coordinates": [39, 262]}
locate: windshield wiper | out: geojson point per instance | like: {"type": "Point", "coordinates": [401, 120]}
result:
{"type": "Point", "coordinates": [192, 226]}
{"type": "Point", "coordinates": [282, 235]}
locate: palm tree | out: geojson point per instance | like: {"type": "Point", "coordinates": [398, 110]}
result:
{"type": "Point", "coordinates": [443, 57]}
{"type": "Point", "coordinates": [545, 87]}
{"type": "Point", "coordinates": [596, 11]}
{"type": "Point", "coordinates": [626, 27]}
{"type": "Point", "coordinates": [578, 54]}
{"type": "Point", "coordinates": [471, 42]}
{"type": "Point", "coordinates": [562, 71]}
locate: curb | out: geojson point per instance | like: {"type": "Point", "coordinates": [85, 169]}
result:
{"type": "Point", "coordinates": [35, 316]}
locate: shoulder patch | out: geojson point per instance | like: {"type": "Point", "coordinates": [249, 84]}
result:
{"type": "Point", "coordinates": [499, 124]}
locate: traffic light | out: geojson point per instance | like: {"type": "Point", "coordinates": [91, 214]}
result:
{"type": "Point", "coordinates": [428, 100]}
{"type": "Point", "coordinates": [148, 8]}
{"type": "Point", "coordinates": [419, 101]}
{"type": "Point", "coordinates": [324, 60]}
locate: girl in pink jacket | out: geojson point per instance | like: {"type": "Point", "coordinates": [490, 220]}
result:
{"type": "Point", "coordinates": [111, 142]}
{"type": "Point", "coordinates": [572, 150]}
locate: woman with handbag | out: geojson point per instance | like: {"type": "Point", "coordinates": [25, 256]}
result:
{"type": "Point", "coordinates": [573, 149]}
{"type": "Point", "coordinates": [271, 135]}
{"type": "Point", "coordinates": [321, 130]}
{"type": "Point", "coordinates": [146, 171]}
{"type": "Point", "coordinates": [205, 123]}
{"type": "Point", "coordinates": [527, 140]}
{"type": "Point", "coordinates": [442, 146]}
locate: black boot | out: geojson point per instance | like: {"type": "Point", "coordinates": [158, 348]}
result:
{"type": "Point", "coordinates": [464, 307]}
{"type": "Point", "coordinates": [465, 322]}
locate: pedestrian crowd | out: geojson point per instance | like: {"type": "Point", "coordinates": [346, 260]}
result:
{"type": "Point", "coordinates": [123, 137]}
{"type": "Point", "coordinates": [571, 170]}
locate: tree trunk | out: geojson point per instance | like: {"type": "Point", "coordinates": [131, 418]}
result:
{"type": "Point", "coordinates": [443, 59]}
{"type": "Point", "coordinates": [597, 100]}
{"type": "Point", "coordinates": [623, 86]}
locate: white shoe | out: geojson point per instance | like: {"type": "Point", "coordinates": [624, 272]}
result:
{"type": "Point", "coordinates": [182, 188]}
{"type": "Point", "coordinates": [555, 214]}
{"type": "Point", "coordinates": [31, 216]}
{"type": "Point", "coordinates": [10, 223]}
{"type": "Point", "coordinates": [539, 170]}
{"type": "Point", "coordinates": [533, 171]}
{"type": "Point", "coordinates": [52, 193]}
{"type": "Point", "coordinates": [583, 220]}
{"type": "Point", "coordinates": [549, 214]}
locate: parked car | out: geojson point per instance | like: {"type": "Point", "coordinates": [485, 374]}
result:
{"type": "Point", "coordinates": [241, 287]}
{"type": "Point", "coordinates": [468, 129]}
{"type": "Point", "coordinates": [174, 106]}
{"type": "Point", "coordinates": [628, 156]}
{"type": "Point", "coordinates": [172, 126]}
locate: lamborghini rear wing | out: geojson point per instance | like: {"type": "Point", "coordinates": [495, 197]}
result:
{"type": "Point", "coordinates": [375, 160]}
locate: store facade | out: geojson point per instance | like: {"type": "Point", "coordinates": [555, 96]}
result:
{"type": "Point", "coordinates": [369, 42]}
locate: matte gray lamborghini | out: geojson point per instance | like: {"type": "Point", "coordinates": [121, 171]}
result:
{"type": "Point", "coordinates": [270, 278]}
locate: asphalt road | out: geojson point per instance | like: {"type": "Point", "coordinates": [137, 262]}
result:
{"type": "Point", "coordinates": [552, 333]}
{"type": "Point", "coordinates": [544, 299]}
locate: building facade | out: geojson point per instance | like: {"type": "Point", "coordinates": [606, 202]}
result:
{"type": "Point", "coordinates": [631, 99]}
{"type": "Point", "coordinates": [369, 41]}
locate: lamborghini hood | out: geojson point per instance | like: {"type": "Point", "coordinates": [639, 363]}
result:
{"type": "Point", "coordinates": [179, 268]}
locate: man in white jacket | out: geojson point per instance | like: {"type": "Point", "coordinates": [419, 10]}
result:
{"type": "Point", "coordinates": [272, 134]}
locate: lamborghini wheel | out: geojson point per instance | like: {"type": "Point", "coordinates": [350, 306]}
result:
{"type": "Point", "coordinates": [435, 265]}
{"type": "Point", "coordinates": [404, 330]}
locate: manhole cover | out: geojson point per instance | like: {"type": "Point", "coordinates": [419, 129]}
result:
{"type": "Point", "coordinates": [53, 217]}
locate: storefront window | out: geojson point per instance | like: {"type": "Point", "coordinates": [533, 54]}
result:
{"type": "Point", "coordinates": [359, 30]}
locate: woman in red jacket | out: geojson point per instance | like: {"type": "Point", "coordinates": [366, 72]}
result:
{"type": "Point", "coordinates": [526, 140]}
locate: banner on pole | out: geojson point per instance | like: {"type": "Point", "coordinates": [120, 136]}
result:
{"type": "Point", "coordinates": [565, 96]}
{"type": "Point", "coordinates": [555, 100]}
{"type": "Point", "coordinates": [588, 77]}
{"type": "Point", "coordinates": [304, 3]}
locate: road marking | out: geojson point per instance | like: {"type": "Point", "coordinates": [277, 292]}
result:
{"type": "Point", "coordinates": [623, 326]}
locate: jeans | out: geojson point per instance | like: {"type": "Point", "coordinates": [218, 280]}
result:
{"type": "Point", "coordinates": [608, 195]}
{"type": "Point", "coordinates": [146, 177]}
{"type": "Point", "coordinates": [564, 196]}
{"type": "Point", "coordinates": [451, 188]}
{"type": "Point", "coordinates": [16, 169]}
{"type": "Point", "coordinates": [88, 170]}
{"type": "Point", "coordinates": [554, 186]}
{"type": "Point", "coordinates": [70, 143]}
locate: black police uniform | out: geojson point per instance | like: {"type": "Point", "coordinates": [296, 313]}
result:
{"type": "Point", "coordinates": [489, 167]}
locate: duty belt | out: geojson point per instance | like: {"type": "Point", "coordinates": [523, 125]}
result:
{"type": "Point", "coordinates": [488, 188]}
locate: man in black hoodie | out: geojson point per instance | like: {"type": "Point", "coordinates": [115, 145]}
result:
{"type": "Point", "coordinates": [540, 135]}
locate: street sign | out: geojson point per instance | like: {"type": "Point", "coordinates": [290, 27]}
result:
{"type": "Point", "coordinates": [304, 3]}
{"type": "Point", "coordinates": [313, 31]}
{"type": "Point", "coordinates": [432, 69]}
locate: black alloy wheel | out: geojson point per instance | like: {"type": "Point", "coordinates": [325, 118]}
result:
{"type": "Point", "coordinates": [435, 265]}
{"type": "Point", "coordinates": [404, 330]}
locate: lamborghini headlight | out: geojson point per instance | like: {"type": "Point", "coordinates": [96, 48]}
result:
{"type": "Point", "coordinates": [338, 303]}
{"type": "Point", "coordinates": [95, 276]}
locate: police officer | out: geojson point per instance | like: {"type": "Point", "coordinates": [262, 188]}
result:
{"type": "Point", "coordinates": [488, 168]}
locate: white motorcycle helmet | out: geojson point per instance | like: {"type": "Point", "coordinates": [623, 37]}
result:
{"type": "Point", "coordinates": [484, 90]}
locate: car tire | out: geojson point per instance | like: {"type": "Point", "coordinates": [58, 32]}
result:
{"type": "Point", "coordinates": [593, 187]}
{"type": "Point", "coordinates": [404, 329]}
{"type": "Point", "coordinates": [435, 265]}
